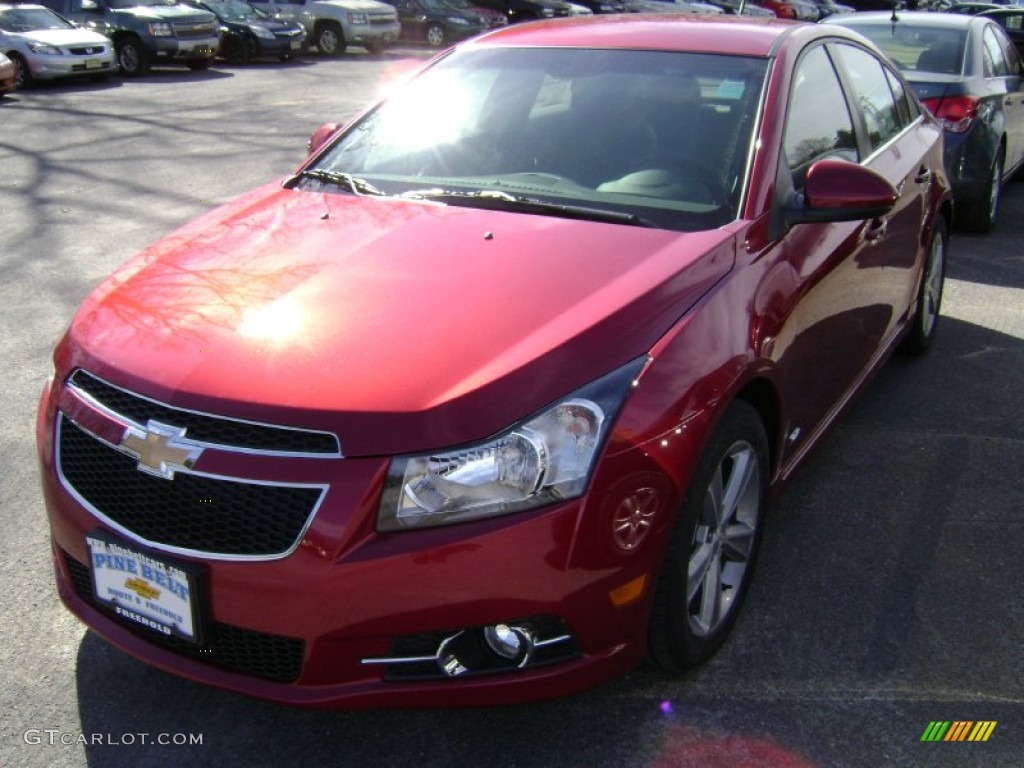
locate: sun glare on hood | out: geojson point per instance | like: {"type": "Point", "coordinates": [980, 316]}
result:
{"type": "Point", "coordinates": [279, 322]}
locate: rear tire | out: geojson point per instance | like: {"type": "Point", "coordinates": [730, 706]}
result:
{"type": "Point", "coordinates": [980, 215]}
{"type": "Point", "coordinates": [713, 544]}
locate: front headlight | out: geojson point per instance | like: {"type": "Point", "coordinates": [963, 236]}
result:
{"type": "Point", "coordinates": [43, 48]}
{"type": "Point", "coordinates": [358, 18]}
{"type": "Point", "coordinates": [547, 13]}
{"type": "Point", "coordinates": [160, 29]}
{"type": "Point", "coordinates": [263, 32]}
{"type": "Point", "coordinates": [546, 459]}
{"type": "Point", "coordinates": [460, 22]}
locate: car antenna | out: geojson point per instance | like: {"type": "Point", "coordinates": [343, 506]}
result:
{"type": "Point", "coordinates": [895, 7]}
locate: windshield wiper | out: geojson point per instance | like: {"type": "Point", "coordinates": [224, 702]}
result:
{"type": "Point", "coordinates": [347, 181]}
{"type": "Point", "coordinates": [494, 199]}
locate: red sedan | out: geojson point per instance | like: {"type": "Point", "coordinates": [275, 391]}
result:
{"type": "Point", "coordinates": [487, 400]}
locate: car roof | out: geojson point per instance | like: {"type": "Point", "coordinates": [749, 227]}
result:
{"type": "Point", "coordinates": [910, 18]}
{"type": "Point", "coordinates": [739, 35]}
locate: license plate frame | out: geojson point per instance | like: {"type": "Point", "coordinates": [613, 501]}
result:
{"type": "Point", "coordinates": [159, 594]}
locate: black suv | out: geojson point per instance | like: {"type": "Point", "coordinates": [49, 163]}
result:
{"type": "Point", "coordinates": [145, 32]}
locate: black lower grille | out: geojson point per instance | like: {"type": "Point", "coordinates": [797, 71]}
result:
{"type": "Point", "coordinates": [199, 514]}
{"type": "Point", "coordinates": [269, 657]}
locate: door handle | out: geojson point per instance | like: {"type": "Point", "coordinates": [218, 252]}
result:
{"type": "Point", "coordinates": [924, 175]}
{"type": "Point", "coordinates": [876, 230]}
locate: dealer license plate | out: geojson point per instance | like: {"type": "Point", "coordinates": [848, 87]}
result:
{"type": "Point", "coordinates": [145, 590]}
{"type": "Point", "coordinates": [93, 64]}
{"type": "Point", "coordinates": [296, 45]}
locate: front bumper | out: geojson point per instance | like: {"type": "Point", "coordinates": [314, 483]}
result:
{"type": "Point", "coordinates": [323, 624]}
{"type": "Point", "coordinates": [373, 33]}
{"type": "Point", "coordinates": [47, 67]}
{"type": "Point", "coordinates": [282, 46]}
{"type": "Point", "coordinates": [171, 49]}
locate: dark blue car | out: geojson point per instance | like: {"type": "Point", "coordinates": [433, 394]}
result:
{"type": "Point", "coordinates": [247, 33]}
{"type": "Point", "coordinates": [968, 73]}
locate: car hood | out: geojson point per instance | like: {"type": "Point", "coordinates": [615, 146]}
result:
{"type": "Point", "coordinates": [168, 13]}
{"type": "Point", "coordinates": [357, 5]}
{"type": "Point", "coordinates": [65, 37]}
{"type": "Point", "coordinates": [401, 325]}
{"type": "Point", "coordinates": [274, 25]}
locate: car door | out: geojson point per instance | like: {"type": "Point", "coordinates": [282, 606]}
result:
{"type": "Point", "coordinates": [1013, 96]}
{"type": "Point", "coordinates": [849, 283]}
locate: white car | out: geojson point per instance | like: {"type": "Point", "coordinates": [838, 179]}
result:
{"type": "Point", "coordinates": [43, 45]}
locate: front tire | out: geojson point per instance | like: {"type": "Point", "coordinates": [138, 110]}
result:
{"type": "Point", "coordinates": [132, 57]}
{"type": "Point", "coordinates": [929, 294]}
{"type": "Point", "coordinates": [435, 36]}
{"type": "Point", "coordinates": [22, 74]}
{"type": "Point", "coordinates": [330, 40]}
{"type": "Point", "coordinates": [713, 544]}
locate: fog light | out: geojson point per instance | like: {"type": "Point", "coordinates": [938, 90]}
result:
{"type": "Point", "coordinates": [512, 643]}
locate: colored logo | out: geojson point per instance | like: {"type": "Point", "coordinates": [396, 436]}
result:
{"type": "Point", "coordinates": [142, 588]}
{"type": "Point", "coordinates": [958, 730]}
{"type": "Point", "coordinates": [160, 449]}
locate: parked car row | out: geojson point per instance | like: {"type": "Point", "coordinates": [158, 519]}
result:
{"type": "Point", "coordinates": [968, 73]}
{"type": "Point", "coordinates": [966, 68]}
{"type": "Point", "coordinates": [65, 38]}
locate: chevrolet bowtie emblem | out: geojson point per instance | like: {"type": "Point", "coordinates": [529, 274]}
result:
{"type": "Point", "coordinates": [160, 449]}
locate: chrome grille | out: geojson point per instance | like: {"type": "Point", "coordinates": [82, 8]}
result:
{"type": "Point", "coordinates": [193, 514]}
{"type": "Point", "coordinates": [192, 29]}
{"type": "Point", "coordinates": [203, 427]}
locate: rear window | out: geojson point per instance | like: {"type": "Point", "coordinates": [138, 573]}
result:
{"type": "Point", "coordinates": [919, 49]}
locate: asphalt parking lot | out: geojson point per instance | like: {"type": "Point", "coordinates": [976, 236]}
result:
{"type": "Point", "coordinates": [890, 590]}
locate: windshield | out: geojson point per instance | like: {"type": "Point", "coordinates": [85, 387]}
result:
{"type": "Point", "coordinates": [938, 50]}
{"type": "Point", "coordinates": [235, 10]}
{"type": "Point", "coordinates": [31, 20]}
{"type": "Point", "coordinates": [660, 136]}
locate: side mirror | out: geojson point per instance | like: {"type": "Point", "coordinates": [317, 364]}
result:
{"type": "Point", "coordinates": [838, 190]}
{"type": "Point", "coordinates": [321, 135]}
